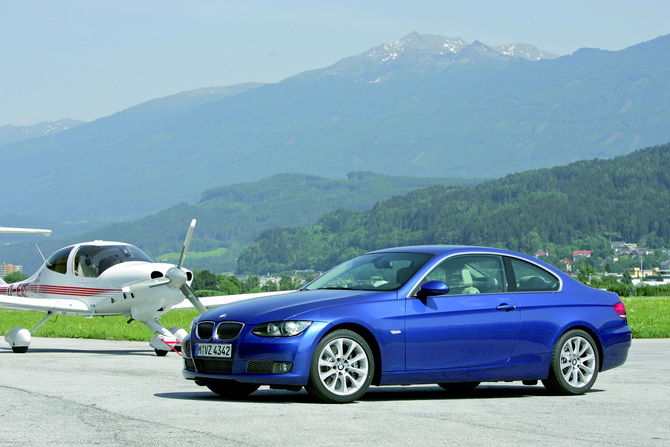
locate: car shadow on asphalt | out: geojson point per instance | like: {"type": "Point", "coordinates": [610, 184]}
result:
{"type": "Point", "coordinates": [377, 394]}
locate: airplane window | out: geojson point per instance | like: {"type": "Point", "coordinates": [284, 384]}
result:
{"type": "Point", "coordinates": [91, 260]}
{"type": "Point", "coordinates": [58, 261]}
{"type": "Point", "coordinates": [84, 265]}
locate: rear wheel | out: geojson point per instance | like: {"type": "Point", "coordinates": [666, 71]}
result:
{"type": "Point", "coordinates": [342, 368]}
{"type": "Point", "coordinates": [574, 364]}
{"type": "Point", "coordinates": [232, 390]}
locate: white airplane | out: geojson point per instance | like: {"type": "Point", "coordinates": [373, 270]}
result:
{"type": "Point", "coordinates": [107, 278]}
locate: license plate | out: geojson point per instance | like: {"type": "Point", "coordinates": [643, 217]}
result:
{"type": "Point", "coordinates": [214, 350]}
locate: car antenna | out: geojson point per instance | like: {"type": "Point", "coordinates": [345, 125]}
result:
{"type": "Point", "coordinates": [38, 249]}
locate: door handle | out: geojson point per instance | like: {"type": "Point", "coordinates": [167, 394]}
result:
{"type": "Point", "coordinates": [506, 307]}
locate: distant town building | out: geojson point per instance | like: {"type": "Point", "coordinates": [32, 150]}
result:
{"type": "Point", "coordinates": [622, 248]}
{"type": "Point", "coordinates": [568, 265]}
{"type": "Point", "coordinates": [6, 269]}
{"type": "Point", "coordinates": [581, 253]}
{"type": "Point", "coordinates": [654, 273]}
{"type": "Point", "coordinates": [541, 253]}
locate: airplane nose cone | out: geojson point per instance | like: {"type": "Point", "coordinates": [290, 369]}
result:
{"type": "Point", "coordinates": [177, 277]}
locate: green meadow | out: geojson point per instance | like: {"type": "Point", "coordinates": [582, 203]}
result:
{"type": "Point", "coordinates": [103, 328]}
{"type": "Point", "coordinates": [648, 317]}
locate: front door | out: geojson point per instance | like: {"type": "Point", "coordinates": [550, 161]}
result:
{"type": "Point", "coordinates": [475, 324]}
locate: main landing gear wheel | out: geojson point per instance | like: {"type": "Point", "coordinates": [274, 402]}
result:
{"type": "Point", "coordinates": [574, 364]}
{"type": "Point", "coordinates": [232, 390]}
{"type": "Point", "coordinates": [342, 368]}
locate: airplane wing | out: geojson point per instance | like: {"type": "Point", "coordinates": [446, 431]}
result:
{"type": "Point", "coordinates": [214, 301]}
{"type": "Point", "coordinates": [9, 230]}
{"type": "Point", "coordinates": [42, 304]}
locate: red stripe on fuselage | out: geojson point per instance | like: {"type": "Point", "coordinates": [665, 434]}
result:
{"type": "Point", "coordinates": [72, 291]}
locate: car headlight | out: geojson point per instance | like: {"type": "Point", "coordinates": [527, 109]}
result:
{"type": "Point", "coordinates": [281, 328]}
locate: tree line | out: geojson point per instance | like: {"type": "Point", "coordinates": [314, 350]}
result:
{"type": "Point", "coordinates": [582, 206]}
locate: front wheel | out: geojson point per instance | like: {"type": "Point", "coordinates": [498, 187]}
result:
{"type": "Point", "coordinates": [342, 368]}
{"type": "Point", "coordinates": [574, 364]}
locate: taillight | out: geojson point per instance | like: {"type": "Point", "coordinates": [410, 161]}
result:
{"type": "Point", "coordinates": [620, 309]}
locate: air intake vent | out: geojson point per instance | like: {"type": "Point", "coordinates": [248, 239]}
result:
{"type": "Point", "coordinates": [228, 331]}
{"type": "Point", "coordinates": [211, 366]}
{"type": "Point", "coordinates": [205, 330]}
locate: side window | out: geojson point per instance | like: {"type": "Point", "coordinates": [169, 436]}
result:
{"type": "Point", "coordinates": [58, 261]}
{"type": "Point", "coordinates": [531, 278]}
{"type": "Point", "coordinates": [470, 274]}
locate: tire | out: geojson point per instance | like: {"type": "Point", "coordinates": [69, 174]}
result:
{"type": "Point", "coordinates": [160, 352]}
{"type": "Point", "coordinates": [231, 389]}
{"type": "Point", "coordinates": [574, 364]}
{"type": "Point", "coordinates": [342, 368]}
{"type": "Point", "coordinates": [459, 387]}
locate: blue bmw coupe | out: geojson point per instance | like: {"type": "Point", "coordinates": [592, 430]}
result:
{"type": "Point", "coordinates": [451, 315]}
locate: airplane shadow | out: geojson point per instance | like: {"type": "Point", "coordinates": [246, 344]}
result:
{"type": "Point", "coordinates": [140, 352]}
{"type": "Point", "coordinates": [377, 394]}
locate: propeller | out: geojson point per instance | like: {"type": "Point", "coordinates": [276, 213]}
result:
{"type": "Point", "coordinates": [185, 289]}
{"type": "Point", "coordinates": [187, 243]}
{"type": "Point", "coordinates": [188, 293]}
{"type": "Point", "coordinates": [175, 277]}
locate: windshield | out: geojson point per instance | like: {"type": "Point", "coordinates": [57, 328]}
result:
{"type": "Point", "coordinates": [91, 260]}
{"type": "Point", "coordinates": [375, 271]}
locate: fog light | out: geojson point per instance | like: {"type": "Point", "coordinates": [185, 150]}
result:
{"type": "Point", "coordinates": [281, 367]}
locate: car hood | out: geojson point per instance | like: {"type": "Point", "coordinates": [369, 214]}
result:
{"type": "Point", "coordinates": [285, 306]}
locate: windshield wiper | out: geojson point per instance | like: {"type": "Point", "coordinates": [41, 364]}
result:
{"type": "Point", "coordinates": [334, 288]}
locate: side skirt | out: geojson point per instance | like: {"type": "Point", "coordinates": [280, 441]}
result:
{"type": "Point", "coordinates": [532, 367]}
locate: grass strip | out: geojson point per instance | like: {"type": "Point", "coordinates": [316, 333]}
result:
{"type": "Point", "coordinates": [648, 317]}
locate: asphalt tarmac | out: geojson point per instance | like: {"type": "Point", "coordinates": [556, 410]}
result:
{"type": "Point", "coordinates": [94, 392]}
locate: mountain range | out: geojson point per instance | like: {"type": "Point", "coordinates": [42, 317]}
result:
{"type": "Point", "coordinates": [422, 106]}
{"type": "Point", "coordinates": [12, 134]}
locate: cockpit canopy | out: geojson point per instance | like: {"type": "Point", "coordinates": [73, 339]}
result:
{"type": "Point", "coordinates": [90, 260]}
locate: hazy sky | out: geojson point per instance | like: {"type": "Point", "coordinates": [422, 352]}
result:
{"type": "Point", "coordinates": [85, 59]}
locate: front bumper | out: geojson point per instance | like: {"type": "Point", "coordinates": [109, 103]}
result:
{"type": "Point", "coordinates": [262, 360]}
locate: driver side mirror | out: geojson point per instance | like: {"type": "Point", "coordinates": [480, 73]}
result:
{"type": "Point", "coordinates": [433, 288]}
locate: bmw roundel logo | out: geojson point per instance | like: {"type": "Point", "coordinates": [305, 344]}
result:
{"type": "Point", "coordinates": [223, 315]}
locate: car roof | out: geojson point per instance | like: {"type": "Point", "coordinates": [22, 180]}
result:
{"type": "Point", "coordinates": [439, 249]}
{"type": "Point", "coordinates": [444, 250]}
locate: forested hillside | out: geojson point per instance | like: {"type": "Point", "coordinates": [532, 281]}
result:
{"type": "Point", "coordinates": [231, 217]}
{"type": "Point", "coordinates": [579, 206]}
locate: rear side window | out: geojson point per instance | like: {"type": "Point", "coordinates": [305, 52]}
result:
{"type": "Point", "coordinates": [531, 278]}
